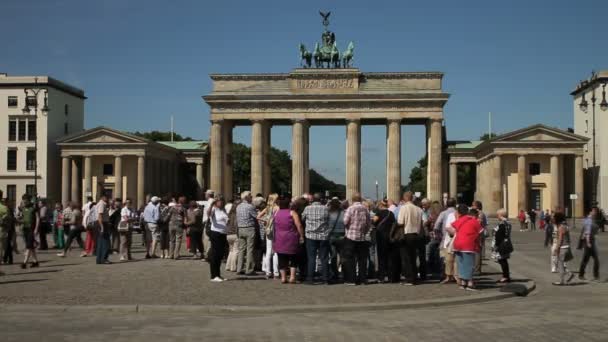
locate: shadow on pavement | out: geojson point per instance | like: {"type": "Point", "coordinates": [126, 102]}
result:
{"type": "Point", "coordinates": [21, 281]}
{"type": "Point", "coordinates": [35, 272]}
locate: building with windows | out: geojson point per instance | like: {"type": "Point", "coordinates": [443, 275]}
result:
{"type": "Point", "coordinates": [34, 112]}
{"type": "Point", "coordinates": [590, 109]}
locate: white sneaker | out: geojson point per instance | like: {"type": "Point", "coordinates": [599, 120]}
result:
{"type": "Point", "coordinates": [217, 280]}
{"type": "Point", "coordinates": [61, 255]}
{"type": "Point", "coordinates": [123, 259]}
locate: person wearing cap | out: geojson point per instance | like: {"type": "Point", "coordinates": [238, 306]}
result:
{"type": "Point", "coordinates": [151, 216]}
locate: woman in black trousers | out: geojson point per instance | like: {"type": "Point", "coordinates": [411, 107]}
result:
{"type": "Point", "coordinates": [217, 237]}
{"type": "Point", "coordinates": [502, 245]}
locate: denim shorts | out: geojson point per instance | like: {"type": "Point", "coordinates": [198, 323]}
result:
{"type": "Point", "coordinates": [466, 262]}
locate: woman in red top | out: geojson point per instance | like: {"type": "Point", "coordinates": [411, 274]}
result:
{"type": "Point", "coordinates": [466, 243]}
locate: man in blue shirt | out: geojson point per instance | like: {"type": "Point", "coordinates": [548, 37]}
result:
{"type": "Point", "coordinates": [151, 216]}
{"type": "Point", "coordinates": [590, 230]}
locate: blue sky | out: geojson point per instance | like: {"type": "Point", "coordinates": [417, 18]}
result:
{"type": "Point", "coordinates": [142, 61]}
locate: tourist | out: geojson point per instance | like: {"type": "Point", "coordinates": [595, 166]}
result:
{"type": "Point", "coordinates": [532, 216]}
{"type": "Point", "coordinates": [589, 245]}
{"type": "Point", "coordinates": [205, 206]}
{"type": "Point", "coordinates": [522, 220]}
{"type": "Point", "coordinates": [357, 223]}
{"type": "Point", "coordinates": [315, 217]}
{"type": "Point", "coordinates": [383, 220]}
{"type": "Point", "coordinates": [502, 246]}
{"type": "Point", "coordinates": [88, 222]}
{"type": "Point", "coordinates": [423, 238]}
{"type": "Point", "coordinates": [194, 224]}
{"type": "Point", "coordinates": [410, 218]}
{"type": "Point", "coordinates": [298, 205]}
{"type": "Point", "coordinates": [217, 236]}
{"type": "Point", "coordinates": [466, 230]}
{"type": "Point", "coordinates": [68, 222]}
{"type": "Point", "coordinates": [433, 247]}
{"type": "Point", "coordinates": [548, 229]}
{"type": "Point", "coordinates": [177, 214]}
{"type": "Point", "coordinates": [483, 221]}
{"type": "Point", "coordinates": [288, 236]}
{"type": "Point", "coordinates": [562, 250]}
{"type": "Point", "coordinates": [5, 227]}
{"type": "Point", "coordinates": [247, 223]}
{"type": "Point", "coordinates": [231, 237]}
{"type": "Point", "coordinates": [45, 225]}
{"type": "Point", "coordinates": [30, 224]}
{"type": "Point", "coordinates": [57, 224]}
{"type": "Point", "coordinates": [151, 216]}
{"type": "Point", "coordinates": [163, 227]}
{"type": "Point", "coordinates": [444, 221]}
{"type": "Point", "coordinates": [75, 229]}
{"type": "Point", "coordinates": [114, 211]}
{"type": "Point", "coordinates": [103, 237]}
{"type": "Point", "coordinates": [270, 262]}
{"type": "Point", "coordinates": [125, 229]}
{"type": "Point", "coordinates": [370, 237]}
{"type": "Point", "coordinates": [336, 236]}
{"type": "Point", "coordinates": [541, 219]}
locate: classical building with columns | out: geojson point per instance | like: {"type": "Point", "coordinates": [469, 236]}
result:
{"type": "Point", "coordinates": [537, 167]}
{"type": "Point", "coordinates": [306, 97]}
{"type": "Point", "coordinates": [106, 161]}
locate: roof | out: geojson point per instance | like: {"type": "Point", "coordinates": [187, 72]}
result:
{"type": "Point", "coordinates": [40, 81]}
{"type": "Point", "coordinates": [186, 145]}
{"type": "Point", "coordinates": [597, 78]}
{"type": "Point", "coordinates": [464, 144]}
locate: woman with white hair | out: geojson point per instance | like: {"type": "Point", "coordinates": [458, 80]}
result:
{"type": "Point", "coordinates": [270, 262]}
{"type": "Point", "coordinates": [502, 246]}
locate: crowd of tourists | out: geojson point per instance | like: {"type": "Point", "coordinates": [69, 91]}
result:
{"type": "Point", "coordinates": [305, 239]}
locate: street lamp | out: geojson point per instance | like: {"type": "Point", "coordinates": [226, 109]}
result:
{"type": "Point", "coordinates": [584, 106]}
{"type": "Point", "coordinates": [27, 107]}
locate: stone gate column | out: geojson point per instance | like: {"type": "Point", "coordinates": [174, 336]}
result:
{"type": "Point", "coordinates": [267, 170]}
{"type": "Point", "coordinates": [353, 158]}
{"type": "Point", "coordinates": [88, 181]}
{"type": "Point", "coordinates": [227, 190]}
{"type": "Point", "coordinates": [75, 180]}
{"type": "Point", "coordinates": [297, 157]}
{"type": "Point", "coordinates": [555, 181]}
{"type": "Point", "coordinates": [522, 184]}
{"type": "Point", "coordinates": [140, 181]}
{"type": "Point", "coordinates": [257, 157]}
{"type": "Point", "coordinates": [65, 180]}
{"type": "Point", "coordinates": [434, 160]}
{"type": "Point", "coordinates": [579, 189]}
{"type": "Point", "coordinates": [306, 139]}
{"type": "Point", "coordinates": [454, 180]}
{"type": "Point", "coordinates": [393, 160]}
{"type": "Point", "coordinates": [215, 146]}
{"type": "Point", "coordinates": [118, 177]}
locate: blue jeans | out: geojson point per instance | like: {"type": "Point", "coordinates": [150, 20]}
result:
{"type": "Point", "coordinates": [322, 248]}
{"type": "Point", "coordinates": [102, 247]}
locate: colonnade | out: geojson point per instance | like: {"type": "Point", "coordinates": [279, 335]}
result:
{"type": "Point", "coordinates": [221, 164]}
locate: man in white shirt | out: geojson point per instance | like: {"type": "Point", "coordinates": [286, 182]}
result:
{"type": "Point", "coordinates": [410, 219]}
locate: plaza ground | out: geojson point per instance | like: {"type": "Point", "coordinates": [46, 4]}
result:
{"type": "Point", "coordinates": [550, 313]}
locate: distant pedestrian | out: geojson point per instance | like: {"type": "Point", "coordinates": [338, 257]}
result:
{"type": "Point", "coordinates": [125, 229]}
{"type": "Point", "coordinates": [502, 246]}
{"type": "Point", "coordinates": [102, 247]}
{"type": "Point", "coordinates": [217, 237]}
{"type": "Point", "coordinates": [231, 237]}
{"type": "Point", "coordinates": [588, 243]}
{"type": "Point", "coordinates": [522, 220]}
{"type": "Point", "coordinates": [336, 237]}
{"type": "Point", "coordinates": [177, 214]}
{"type": "Point", "coordinates": [383, 221]}
{"type": "Point", "coordinates": [57, 226]}
{"type": "Point", "coordinates": [532, 216]}
{"type": "Point", "coordinates": [30, 223]}
{"type": "Point", "coordinates": [151, 216]}
{"type": "Point", "coordinates": [194, 224]}
{"type": "Point", "coordinates": [270, 262]}
{"type": "Point", "coordinates": [289, 235]}
{"type": "Point", "coordinates": [562, 249]}
{"type": "Point", "coordinates": [75, 229]}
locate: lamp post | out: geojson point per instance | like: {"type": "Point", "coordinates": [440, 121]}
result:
{"type": "Point", "coordinates": [584, 106]}
{"type": "Point", "coordinates": [27, 107]}
{"type": "Point", "coordinates": [377, 199]}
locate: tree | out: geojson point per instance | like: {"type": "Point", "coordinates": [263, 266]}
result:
{"type": "Point", "coordinates": [161, 136]}
{"type": "Point", "coordinates": [487, 136]}
{"type": "Point", "coordinates": [417, 182]}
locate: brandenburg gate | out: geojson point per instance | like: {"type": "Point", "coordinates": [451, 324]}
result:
{"type": "Point", "coordinates": [324, 96]}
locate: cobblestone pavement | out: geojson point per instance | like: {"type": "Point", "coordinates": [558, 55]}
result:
{"type": "Point", "coordinates": [550, 313]}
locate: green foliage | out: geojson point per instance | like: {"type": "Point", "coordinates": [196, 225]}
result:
{"type": "Point", "coordinates": [488, 136]}
{"type": "Point", "coordinates": [417, 182]}
{"type": "Point", "coordinates": [161, 136]}
{"type": "Point", "coordinates": [280, 164]}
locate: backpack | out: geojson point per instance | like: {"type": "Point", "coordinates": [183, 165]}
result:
{"type": "Point", "coordinates": [29, 217]}
{"type": "Point", "coordinates": [92, 218]}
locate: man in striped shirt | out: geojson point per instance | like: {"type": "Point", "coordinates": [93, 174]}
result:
{"type": "Point", "coordinates": [315, 217]}
{"type": "Point", "coordinates": [357, 222]}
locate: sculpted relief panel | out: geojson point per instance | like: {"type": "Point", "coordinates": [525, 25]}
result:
{"type": "Point", "coordinates": [325, 83]}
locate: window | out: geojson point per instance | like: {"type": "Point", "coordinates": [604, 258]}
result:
{"type": "Point", "coordinates": [31, 101]}
{"type": "Point", "coordinates": [108, 169]}
{"type": "Point", "coordinates": [65, 128]}
{"type": "Point", "coordinates": [30, 160]}
{"type": "Point", "coordinates": [11, 160]}
{"type": "Point", "coordinates": [534, 169]}
{"type": "Point", "coordinates": [66, 109]}
{"type": "Point", "coordinates": [31, 130]}
{"type": "Point", "coordinates": [586, 126]}
{"type": "Point", "coordinates": [12, 130]}
{"type": "Point", "coordinates": [12, 101]}
{"type": "Point", "coordinates": [21, 130]}
{"type": "Point", "coordinates": [11, 194]}
{"type": "Point", "coordinates": [29, 189]}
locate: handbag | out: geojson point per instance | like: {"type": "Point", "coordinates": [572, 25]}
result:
{"type": "Point", "coordinates": [506, 247]}
{"type": "Point", "coordinates": [269, 230]}
{"type": "Point", "coordinates": [568, 256]}
{"type": "Point", "coordinates": [123, 226]}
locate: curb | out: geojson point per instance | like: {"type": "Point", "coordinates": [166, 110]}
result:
{"type": "Point", "coordinates": [508, 291]}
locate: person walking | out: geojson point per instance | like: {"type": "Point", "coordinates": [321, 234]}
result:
{"type": "Point", "coordinates": [88, 222]}
{"type": "Point", "coordinates": [270, 262]}
{"type": "Point", "coordinates": [177, 214]}
{"type": "Point", "coordinates": [383, 220]}
{"type": "Point", "coordinates": [288, 236]}
{"type": "Point", "coordinates": [532, 216]}
{"type": "Point", "coordinates": [75, 229]}
{"type": "Point", "coordinates": [115, 210]}
{"type": "Point", "coordinates": [247, 223]}
{"type": "Point", "coordinates": [315, 217]}
{"type": "Point", "coordinates": [57, 224]}
{"type": "Point", "coordinates": [231, 237]}
{"type": "Point", "coordinates": [30, 224]}
{"type": "Point", "coordinates": [562, 250]}
{"type": "Point", "coordinates": [102, 251]}
{"type": "Point", "coordinates": [217, 237]}
{"type": "Point", "coordinates": [588, 243]}
{"type": "Point", "coordinates": [357, 222]}
{"type": "Point", "coordinates": [467, 231]}
{"type": "Point", "coordinates": [151, 216]}
{"type": "Point", "coordinates": [410, 219]}
{"type": "Point", "coordinates": [194, 224]}
{"type": "Point", "coordinates": [125, 229]}
{"type": "Point", "coordinates": [502, 246]}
